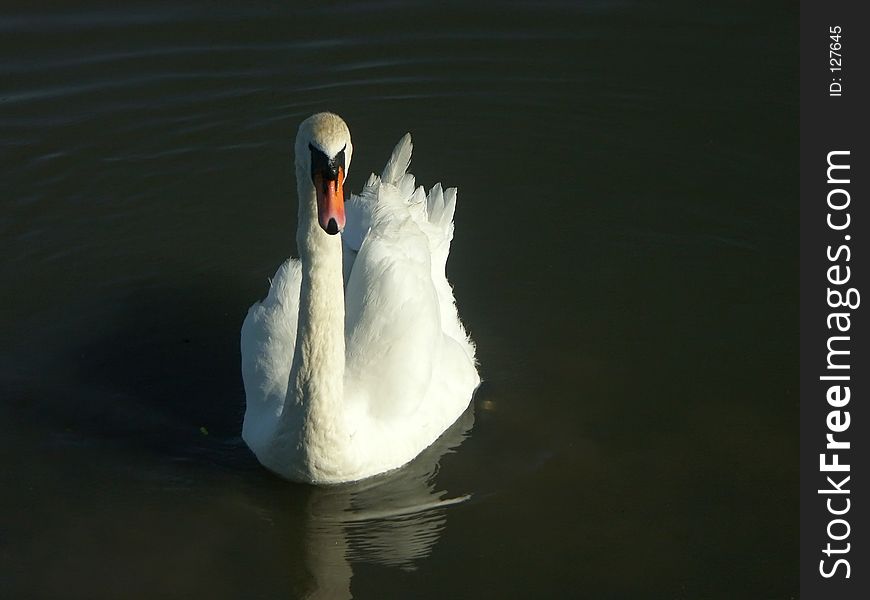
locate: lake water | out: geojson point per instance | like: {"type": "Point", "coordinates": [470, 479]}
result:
{"type": "Point", "coordinates": [625, 258]}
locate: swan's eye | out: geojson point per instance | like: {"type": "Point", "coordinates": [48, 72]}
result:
{"type": "Point", "coordinates": [328, 168]}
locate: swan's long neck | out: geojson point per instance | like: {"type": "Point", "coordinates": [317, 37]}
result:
{"type": "Point", "coordinates": [317, 373]}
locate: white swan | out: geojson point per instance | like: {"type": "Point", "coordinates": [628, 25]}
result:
{"type": "Point", "coordinates": [356, 360]}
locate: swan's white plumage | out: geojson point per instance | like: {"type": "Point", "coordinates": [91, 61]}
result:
{"type": "Point", "coordinates": [409, 367]}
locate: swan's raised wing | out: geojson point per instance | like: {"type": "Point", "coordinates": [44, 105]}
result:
{"type": "Point", "coordinates": [433, 213]}
{"type": "Point", "coordinates": [360, 207]}
{"type": "Point", "coordinates": [399, 306]}
{"type": "Point", "coordinates": [392, 314]}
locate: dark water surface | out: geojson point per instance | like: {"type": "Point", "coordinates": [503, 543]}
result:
{"type": "Point", "coordinates": [625, 258]}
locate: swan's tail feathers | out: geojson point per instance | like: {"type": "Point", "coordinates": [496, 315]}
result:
{"type": "Point", "coordinates": [397, 166]}
{"type": "Point", "coordinates": [441, 205]}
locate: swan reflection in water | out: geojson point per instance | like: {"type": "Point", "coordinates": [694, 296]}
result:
{"type": "Point", "coordinates": [392, 519]}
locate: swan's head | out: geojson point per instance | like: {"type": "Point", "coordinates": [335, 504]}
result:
{"type": "Point", "coordinates": [323, 152]}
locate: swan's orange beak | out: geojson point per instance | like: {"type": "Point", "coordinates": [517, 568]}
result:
{"type": "Point", "coordinates": [330, 201]}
